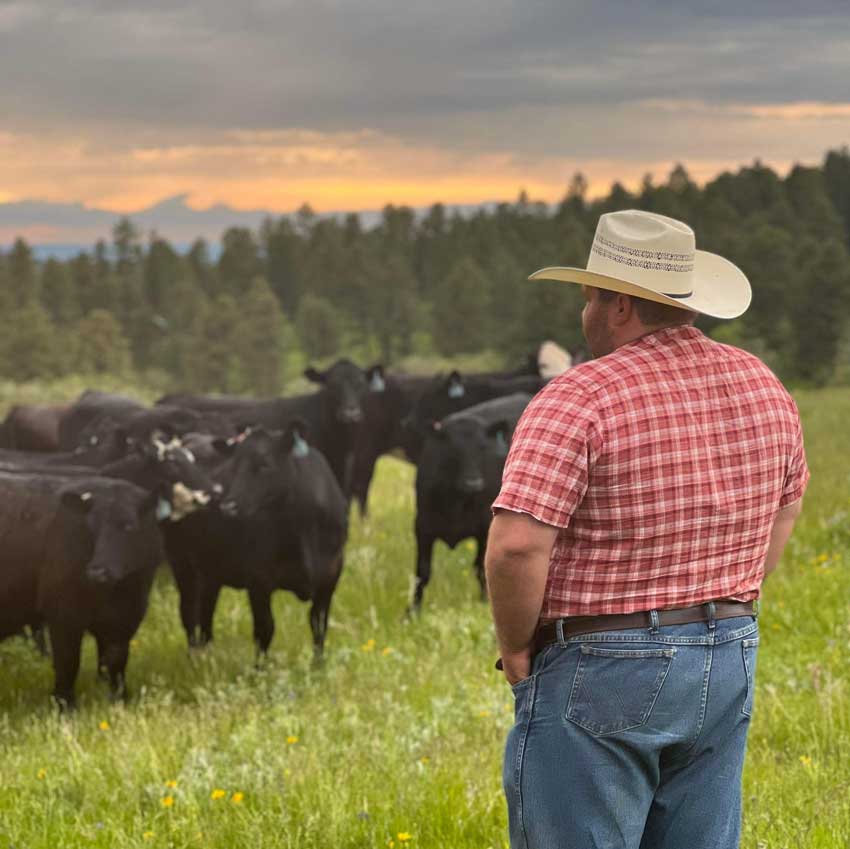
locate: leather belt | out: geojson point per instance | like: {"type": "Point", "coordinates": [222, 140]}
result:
{"type": "Point", "coordinates": [573, 626]}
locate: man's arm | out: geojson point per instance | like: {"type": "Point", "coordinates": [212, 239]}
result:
{"type": "Point", "coordinates": [783, 524]}
{"type": "Point", "coordinates": [517, 566]}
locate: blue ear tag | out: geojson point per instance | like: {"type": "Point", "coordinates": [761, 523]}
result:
{"type": "Point", "coordinates": [378, 383]}
{"type": "Point", "coordinates": [456, 390]}
{"type": "Point", "coordinates": [299, 447]}
{"type": "Point", "coordinates": [163, 510]}
{"type": "Point", "coordinates": [501, 442]}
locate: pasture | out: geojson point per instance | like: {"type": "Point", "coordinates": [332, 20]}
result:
{"type": "Point", "coordinates": [397, 740]}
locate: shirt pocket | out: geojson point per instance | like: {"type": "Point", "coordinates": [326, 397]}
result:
{"type": "Point", "coordinates": [615, 689]}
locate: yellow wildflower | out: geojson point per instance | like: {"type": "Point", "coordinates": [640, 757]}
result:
{"type": "Point", "coordinates": [217, 794]}
{"type": "Point", "coordinates": [147, 835]}
{"type": "Point", "coordinates": [237, 797]}
{"type": "Point", "coordinates": [387, 651]}
{"type": "Point", "coordinates": [171, 785]}
{"type": "Point", "coordinates": [42, 774]}
{"type": "Point", "coordinates": [484, 713]}
{"type": "Point", "coordinates": [806, 761]}
{"type": "Point", "coordinates": [167, 802]}
{"type": "Point", "coordinates": [369, 645]}
{"type": "Point", "coordinates": [104, 725]}
{"type": "Point", "coordinates": [291, 740]}
{"type": "Point", "coordinates": [404, 836]}
{"type": "Point", "coordinates": [424, 759]}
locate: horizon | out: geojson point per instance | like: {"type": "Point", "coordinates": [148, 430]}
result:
{"type": "Point", "coordinates": [181, 209]}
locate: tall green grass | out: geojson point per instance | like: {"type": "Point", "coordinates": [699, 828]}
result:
{"type": "Point", "coordinates": [400, 734]}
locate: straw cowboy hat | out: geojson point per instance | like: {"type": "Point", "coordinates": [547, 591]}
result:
{"type": "Point", "coordinates": [654, 257]}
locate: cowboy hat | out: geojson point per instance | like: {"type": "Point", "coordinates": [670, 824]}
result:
{"type": "Point", "coordinates": [654, 257]}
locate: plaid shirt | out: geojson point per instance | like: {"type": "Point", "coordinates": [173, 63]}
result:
{"type": "Point", "coordinates": [663, 464]}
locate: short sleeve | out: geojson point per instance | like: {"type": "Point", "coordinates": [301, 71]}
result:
{"type": "Point", "coordinates": [552, 452]}
{"type": "Point", "coordinates": [797, 472]}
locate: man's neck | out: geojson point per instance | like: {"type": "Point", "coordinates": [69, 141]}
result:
{"type": "Point", "coordinates": [633, 334]}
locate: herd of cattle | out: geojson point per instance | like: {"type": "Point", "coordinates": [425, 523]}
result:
{"type": "Point", "coordinates": [251, 494]}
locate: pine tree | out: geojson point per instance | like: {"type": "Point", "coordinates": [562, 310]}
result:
{"type": "Point", "coordinates": [102, 347]}
{"type": "Point", "coordinates": [461, 310]}
{"type": "Point", "coordinates": [257, 343]}
{"type": "Point", "coordinates": [319, 327]}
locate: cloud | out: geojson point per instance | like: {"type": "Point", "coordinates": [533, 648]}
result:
{"type": "Point", "coordinates": [353, 103]}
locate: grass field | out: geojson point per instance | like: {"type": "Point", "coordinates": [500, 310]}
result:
{"type": "Point", "coordinates": [397, 740]}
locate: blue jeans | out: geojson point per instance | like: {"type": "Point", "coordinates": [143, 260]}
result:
{"type": "Point", "coordinates": [633, 739]}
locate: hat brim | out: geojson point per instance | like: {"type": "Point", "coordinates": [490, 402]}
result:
{"type": "Point", "coordinates": [720, 288]}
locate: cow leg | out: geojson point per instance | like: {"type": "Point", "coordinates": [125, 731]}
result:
{"type": "Point", "coordinates": [319, 614]}
{"type": "Point", "coordinates": [209, 599]}
{"type": "Point", "coordinates": [102, 669]}
{"type": "Point", "coordinates": [481, 542]}
{"type": "Point", "coordinates": [261, 610]}
{"type": "Point", "coordinates": [424, 552]}
{"type": "Point", "coordinates": [363, 473]}
{"type": "Point", "coordinates": [113, 663]}
{"type": "Point", "coordinates": [188, 583]}
{"type": "Point", "coordinates": [66, 641]}
{"type": "Point", "coordinates": [38, 635]}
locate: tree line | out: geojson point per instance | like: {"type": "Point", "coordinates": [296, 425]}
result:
{"type": "Point", "coordinates": [439, 283]}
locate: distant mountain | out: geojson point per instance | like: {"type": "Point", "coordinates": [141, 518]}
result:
{"type": "Point", "coordinates": [62, 230]}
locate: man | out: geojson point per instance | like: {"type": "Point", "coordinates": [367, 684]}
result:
{"type": "Point", "coordinates": [646, 495]}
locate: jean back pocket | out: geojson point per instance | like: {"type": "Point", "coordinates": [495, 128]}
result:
{"type": "Point", "coordinates": [749, 648]}
{"type": "Point", "coordinates": [615, 689]}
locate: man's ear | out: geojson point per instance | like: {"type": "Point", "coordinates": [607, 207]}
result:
{"type": "Point", "coordinates": [622, 310]}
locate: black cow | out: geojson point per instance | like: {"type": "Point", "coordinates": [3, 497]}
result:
{"type": "Point", "coordinates": [91, 405]}
{"type": "Point", "coordinates": [458, 478]}
{"type": "Point", "coordinates": [96, 415]}
{"type": "Point", "coordinates": [448, 395]}
{"type": "Point", "coordinates": [390, 401]}
{"type": "Point", "coordinates": [168, 469]}
{"type": "Point", "coordinates": [334, 414]}
{"type": "Point", "coordinates": [30, 428]}
{"type": "Point", "coordinates": [283, 525]}
{"type": "Point", "coordinates": [78, 555]}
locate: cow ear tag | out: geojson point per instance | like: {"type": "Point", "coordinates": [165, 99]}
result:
{"type": "Point", "coordinates": [456, 390]}
{"type": "Point", "coordinates": [378, 383]}
{"type": "Point", "coordinates": [299, 447]}
{"type": "Point", "coordinates": [163, 509]}
{"type": "Point", "coordinates": [501, 442]}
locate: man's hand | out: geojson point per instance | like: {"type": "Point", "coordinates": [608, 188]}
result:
{"type": "Point", "coordinates": [516, 665]}
{"type": "Point", "coordinates": [517, 566]}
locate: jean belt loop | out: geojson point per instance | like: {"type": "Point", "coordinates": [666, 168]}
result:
{"type": "Point", "coordinates": [712, 612]}
{"type": "Point", "coordinates": [559, 632]}
{"type": "Point", "coordinates": [653, 617]}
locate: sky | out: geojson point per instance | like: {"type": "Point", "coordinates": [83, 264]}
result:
{"type": "Point", "coordinates": [352, 104]}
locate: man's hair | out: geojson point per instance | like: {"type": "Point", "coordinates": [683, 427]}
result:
{"type": "Point", "coordinates": [651, 313]}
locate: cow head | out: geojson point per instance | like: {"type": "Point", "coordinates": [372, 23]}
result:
{"type": "Point", "coordinates": [346, 385]}
{"type": "Point", "coordinates": [262, 468]}
{"type": "Point", "coordinates": [460, 451]}
{"type": "Point", "coordinates": [121, 526]}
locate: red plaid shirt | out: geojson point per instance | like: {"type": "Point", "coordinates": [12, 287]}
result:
{"type": "Point", "coordinates": [663, 464]}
